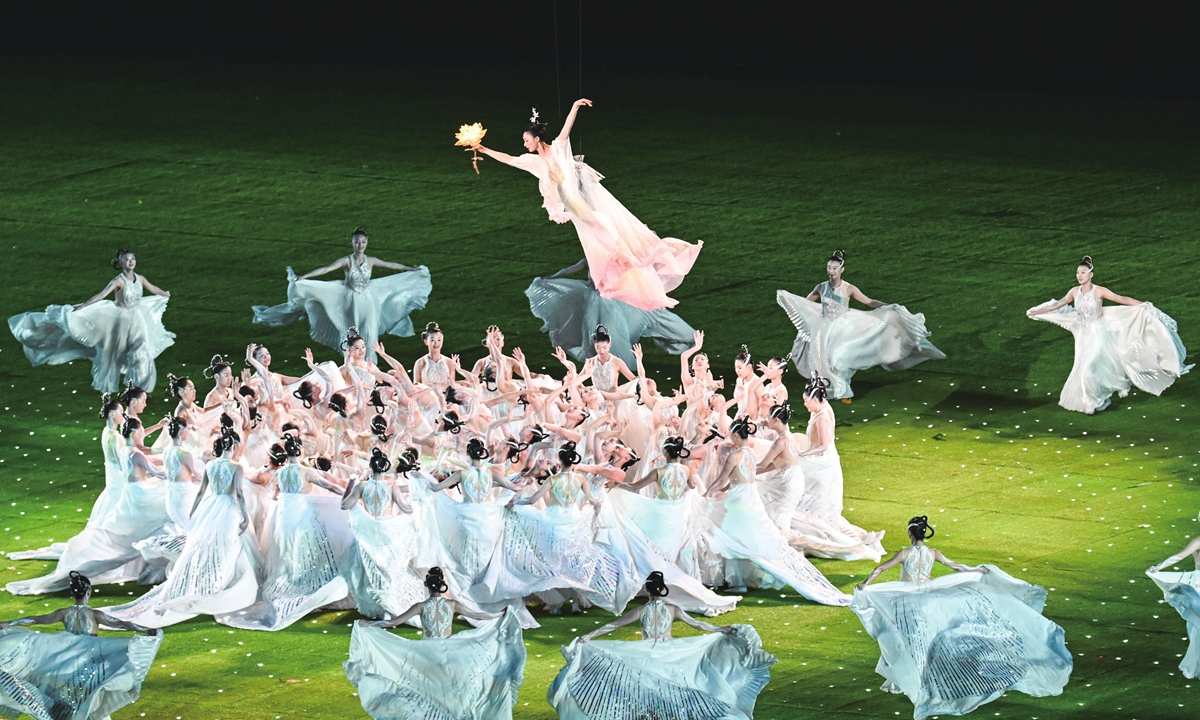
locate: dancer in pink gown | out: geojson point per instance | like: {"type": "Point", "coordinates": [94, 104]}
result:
{"type": "Point", "coordinates": [627, 260]}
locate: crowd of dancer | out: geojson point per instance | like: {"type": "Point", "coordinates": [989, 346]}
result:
{"type": "Point", "coordinates": [413, 492]}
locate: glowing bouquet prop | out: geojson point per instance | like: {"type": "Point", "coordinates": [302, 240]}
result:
{"type": "Point", "coordinates": [470, 136]}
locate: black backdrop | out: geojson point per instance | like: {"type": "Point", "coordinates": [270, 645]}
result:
{"type": "Point", "coordinates": [1116, 48]}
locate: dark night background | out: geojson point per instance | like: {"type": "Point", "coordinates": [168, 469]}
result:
{"type": "Point", "coordinates": [1131, 49]}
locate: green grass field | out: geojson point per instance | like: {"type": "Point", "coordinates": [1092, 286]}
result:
{"type": "Point", "coordinates": [970, 208]}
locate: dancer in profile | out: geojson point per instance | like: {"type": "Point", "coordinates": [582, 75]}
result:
{"type": "Point", "coordinates": [626, 260]}
{"type": "Point", "coordinates": [474, 675]}
{"type": "Point", "coordinates": [123, 335]}
{"type": "Point", "coordinates": [1181, 590]}
{"type": "Point", "coordinates": [716, 675]}
{"type": "Point", "coordinates": [73, 675]}
{"type": "Point", "coordinates": [377, 307]}
{"type": "Point", "coordinates": [835, 341]}
{"type": "Point", "coordinates": [1115, 347]}
{"type": "Point", "coordinates": [958, 641]}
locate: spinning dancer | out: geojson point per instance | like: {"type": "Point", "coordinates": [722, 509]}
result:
{"type": "Point", "coordinates": [835, 341]}
{"type": "Point", "coordinates": [121, 337]}
{"type": "Point", "coordinates": [73, 675]}
{"type": "Point", "coordinates": [375, 306]}
{"type": "Point", "coordinates": [1114, 347]}
{"type": "Point", "coordinates": [1181, 590]}
{"type": "Point", "coordinates": [957, 642]}
{"type": "Point", "coordinates": [626, 260]}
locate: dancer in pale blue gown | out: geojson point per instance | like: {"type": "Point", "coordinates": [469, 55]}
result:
{"type": "Point", "coordinates": [121, 336]}
{"type": "Point", "coordinates": [958, 641]}
{"type": "Point", "coordinates": [381, 575]}
{"type": "Point", "coordinates": [569, 310]}
{"type": "Point", "coordinates": [73, 675]}
{"type": "Point", "coordinates": [302, 572]}
{"type": "Point", "coordinates": [220, 569]}
{"type": "Point", "coordinates": [376, 306]}
{"type": "Point", "coordinates": [1181, 590]}
{"type": "Point", "coordinates": [716, 675]}
{"type": "Point", "coordinates": [473, 675]}
{"type": "Point", "coordinates": [741, 532]}
{"type": "Point", "coordinates": [835, 341]}
{"type": "Point", "coordinates": [1115, 347]}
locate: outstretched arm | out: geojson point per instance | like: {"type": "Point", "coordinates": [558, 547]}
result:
{"type": "Point", "coordinates": [152, 287]}
{"type": "Point", "coordinates": [1190, 549]}
{"type": "Point", "coordinates": [622, 621]}
{"type": "Point", "coordinates": [1107, 294]}
{"type": "Point", "coordinates": [581, 265]}
{"type": "Point", "coordinates": [340, 263]}
{"type": "Point", "coordinates": [700, 625]}
{"type": "Point", "coordinates": [389, 265]}
{"type": "Point", "coordinates": [400, 619]}
{"type": "Point", "coordinates": [47, 619]}
{"type": "Point", "coordinates": [859, 296]}
{"type": "Point", "coordinates": [112, 622]}
{"type": "Point", "coordinates": [890, 563]}
{"type": "Point", "coordinates": [112, 285]}
{"type": "Point", "coordinates": [1054, 305]}
{"type": "Point", "coordinates": [570, 121]}
{"type": "Point", "coordinates": [958, 567]}
{"type": "Point", "coordinates": [495, 155]}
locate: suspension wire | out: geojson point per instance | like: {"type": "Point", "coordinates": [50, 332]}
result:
{"type": "Point", "coordinates": [580, 144]}
{"type": "Point", "coordinates": [557, 67]}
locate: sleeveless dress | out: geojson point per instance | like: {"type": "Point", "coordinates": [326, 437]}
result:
{"type": "Point", "coordinates": [119, 339]}
{"type": "Point", "coordinates": [377, 307]}
{"type": "Point", "coordinates": [381, 575]}
{"type": "Point", "coordinates": [740, 530]}
{"type": "Point", "coordinates": [570, 310]}
{"type": "Point", "coordinates": [106, 550]}
{"type": "Point", "coordinates": [835, 341]}
{"type": "Point", "coordinates": [712, 675]}
{"type": "Point", "coordinates": [218, 571]}
{"type": "Point", "coordinates": [556, 550]}
{"type": "Point", "coordinates": [72, 675]}
{"type": "Point", "coordinates": [817, 522]}
{"type": "Point", "coordinates": [473, 675]}
{"type": "Point", "coordinates": [627, 261]}
{"type": "Point", "coordinates": [180, 498]}
{"type": "Point", "coordinates": [961, 640]}
{"type": "Point", "coordinates": [1181, 590]}
{"type": "Point", "coordinates": [1116, 347]}
{"type": "Point", "coordinates": [302, 571]}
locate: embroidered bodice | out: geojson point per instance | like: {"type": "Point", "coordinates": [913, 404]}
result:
{"type": "Point", "coordinates": [358, 277]}
{"type": "Point", "coordinates": [78, 620]}
{"type": "Point", "coordinates": [437, 372]}
{"type": "Point", "coordinates": [220, 476]}
{"type": "Point", "coordinates": [173, 462]}
{"type": "Point", "coordinates": [1087, 307]}
{"type": "Point", "coordinates": [290, 479]}
{"type": "Point", "coordinates": [917, 567]}
{"type": "Point", "coordinates": [436, 617]}
{"type": "Point", "coordinates": [566, 488]}
{"type": "Point", "coordinates": [132, 293]}
{"type": "Point", "coordinates": [656, 617]}
{"type": "Point", "coordinates": [604, 376]}
{"type": "Point", "coordinates": [745, 464]}
{"type": "Point", "coordinates": [376, 496]}
{"type": "Point", "coordinates": [476, 483]}
{"type": "Point", "coordinates": [831, 449]}
{"type": "Point", "coordinates": [833, 303]}
{"type": "Point", "coordinates": [672, 481]}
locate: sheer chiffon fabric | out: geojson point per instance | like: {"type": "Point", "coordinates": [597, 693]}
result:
{"type": "Point", "coordinates": [836, 341]}
{"type": "Point", "coordinates": [68, 676]}
{"type": "Point", "coordinates": [472, 675]}
{"type": "Point", "coordinates": [1181, 590]}
{"type": "Point", "coordinates": [117, 339]}
{"type": "Point", "coordinates": [626, 259]}
{"type": "Point", "coordinates": [1117, 347]}
{"type": "Point", "coordinates": [376, 306]}
{"type": "Point", "coordinates": [958, 641]}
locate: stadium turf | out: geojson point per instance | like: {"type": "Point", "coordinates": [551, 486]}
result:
{"type": "Point", "coordinates": [967, 207]}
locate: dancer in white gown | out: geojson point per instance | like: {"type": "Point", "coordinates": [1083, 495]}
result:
{"type": "Point", "coordinates": [716, 675]}
{"type": "Point", "coordinates": [753, 547]}
{"type": "Point", "coordinates": [106, 549]}
{"type": "Point", "coordinates": [381, 575]}
{"type": "Point", "coordinates": [184, 471]}
{"type": "Point", "coordinates": [220, 568]}
{"type": "Point", "coordinates": [376, 306]}
{"type": "Point", "coordinates": [958, 641]}
{"type": "Point", "coordinates": [73, 675]}
{"type": "Point", "coordinates": [1181, 590]}
{"type": "Point", "coordinates": [819, 513]}
{"type": "Point", "coordinates": [671, 520]}
{"type": "Point", "coordinates": [835, 341]}
{"type": "Point", "coordinates": [626, 260]}
{"type": "Point", "coordinates": [302, 572]}
{"type": "Point", "coordinates": [570, 308]}
{"type": "Point", "coordinates": [1115, 347]}
{"type": "Point", "coordinates": [120, 336]}
{"type": "Point", "coordinates": [473, 675]}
